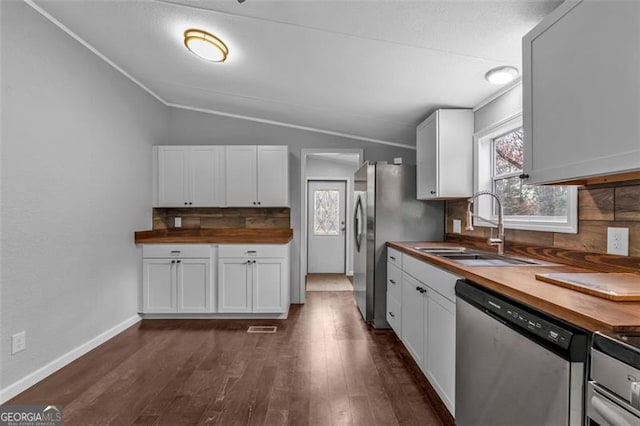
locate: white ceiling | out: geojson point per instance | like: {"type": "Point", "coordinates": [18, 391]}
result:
{"type": "Point", "coordinates": [371, 69]}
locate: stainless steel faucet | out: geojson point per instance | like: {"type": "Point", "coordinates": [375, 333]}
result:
{"type": "Point", "coordinates": [500, 224]}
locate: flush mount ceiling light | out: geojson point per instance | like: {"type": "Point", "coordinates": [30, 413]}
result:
{"type": "Point", "coordinates": [205, 45]}
{"type": "Point", "coordinates": [502, 75]}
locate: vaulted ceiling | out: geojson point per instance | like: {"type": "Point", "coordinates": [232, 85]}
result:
{"type": "Point", "coordinates": [370, 69]}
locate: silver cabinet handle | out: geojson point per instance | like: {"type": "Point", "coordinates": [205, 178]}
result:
{"type": "Point", "coordinates": [391, 314]}
{"type": "Point", "coordinates": [392, 257]}
{"type": "Point", "coordinates": [635, 394]}
{"type": "Point", "coordinates": [392, 281]}
{"type": "Point", "coordinates": [175, 251]}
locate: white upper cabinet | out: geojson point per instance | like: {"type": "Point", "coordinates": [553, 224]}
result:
{"type": "Point", "coordinates": [242, 190]}
{"type": "Point", "coordinates": [172, 176]}
{"type": "Point", "coordinates": [206, 176]}
{"type": "Point", "coordinates": [221, 176]}
{"type": "Point", "coordinates": [257, 176]}
{"type": "Point", "coordinates": [273, 176]}
{"type": "Point", "coordinates": [445, 155]}
{"type": "Point", "coordinates": [581, 71]}
{"type": "Point", "coordinates": [190, 176]}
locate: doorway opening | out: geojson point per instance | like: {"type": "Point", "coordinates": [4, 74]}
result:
{"type": "Point", "coordinates": [326, 261]}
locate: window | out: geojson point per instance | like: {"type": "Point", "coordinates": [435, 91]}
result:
{"type": "Point", "coordinates": [499, 158]}
{"type": "Point", "coordinates": [326, 213]}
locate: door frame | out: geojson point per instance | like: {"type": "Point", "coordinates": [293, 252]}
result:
{"type": "Point", "coordinates": [348, 200]}
{"type": "Point", "coordinates": [304, 208]}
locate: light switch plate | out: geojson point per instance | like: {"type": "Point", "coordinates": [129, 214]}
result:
{"type": "Point", "coordinates": [618, 241]}
{"type": "Point", "coordinates": [18, 342]}
{"type": "Point", "coordinates": [177, 222]}
{"type": "Point", "coordinates": [457, 226]}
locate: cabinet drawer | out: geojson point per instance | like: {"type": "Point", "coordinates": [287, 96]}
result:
{"type": "Point", "coordinates": [253, 250]}
{"type": "Point", "coordinates": [394, 256]}
{"type": "Point", "coordinates": [394, 281]}
{"type": "Point", "coordinates": [176, 250]}
{"type": "Point", "coordinates": [438, 279]}
{"type": "Point", "coordinates": [394, 314]}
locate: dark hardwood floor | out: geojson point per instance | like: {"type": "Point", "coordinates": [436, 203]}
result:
{"type": "Point", "coordinates": [323, 366]}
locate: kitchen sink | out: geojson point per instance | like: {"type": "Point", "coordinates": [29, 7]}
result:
{"type": "Point", "coordinates": [487, 259]}
{"type": "Point", "coordinates": [472, 257]}
{"type": "Point", "coordinates": [441, 250]}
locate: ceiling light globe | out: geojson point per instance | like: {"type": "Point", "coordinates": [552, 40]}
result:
{"type": "Point", "coordinates": [502, 75]}
{"type": "Point", "coordinates": [205, 45]}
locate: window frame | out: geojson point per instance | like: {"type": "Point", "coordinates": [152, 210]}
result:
{"type": "Point", "coordinates": [484, 179]}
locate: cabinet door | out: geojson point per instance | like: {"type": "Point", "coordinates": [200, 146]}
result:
{"type": "Point", "coordinates": [206, 176]}
{"type": "Point", "coordinates": [194, 285]}
{"type": "Point", "coordinates": [581, 92]}
{"type": "Point", "coordinates": [234, 285]}
{"type": "Point", "coordinates": [172, 176]}
{"type": "Point", "coordinates": [273, 176]}
{"type": "Point", "coordinates": [241, 180]}
{"type": "Point", "coordinates": [158, 286]}
{"type": "Point", "coordinates": [269, 285]}
{"type": "Point", "coordinates": [413, 317]}
{"type": "Point", "coordinates": [440, 348]}
{"type": "Point", "coordinates": [427, 158]}
{"type": "Point", "coordinates": [394, 314]}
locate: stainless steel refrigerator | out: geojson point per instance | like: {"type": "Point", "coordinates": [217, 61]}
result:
{"type": "Point", "coordinates": [386, 209]}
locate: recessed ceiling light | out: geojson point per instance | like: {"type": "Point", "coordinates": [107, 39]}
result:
{"type": "Point", "coordinates": [502, 75]}
{"type": "Point", "coordinates": [205, 45]}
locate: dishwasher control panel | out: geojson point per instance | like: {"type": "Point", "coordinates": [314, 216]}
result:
{"type": "Point", "coordinates": [528, 321]}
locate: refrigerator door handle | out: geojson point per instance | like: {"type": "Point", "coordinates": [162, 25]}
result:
{"type": "Point", "coordinates": [357, 221]}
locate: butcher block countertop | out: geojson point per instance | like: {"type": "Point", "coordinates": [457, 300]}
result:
{"type": "Point", "coordinates": [215, 236]}
{"type": "Point", "coordinates": [520, 283]}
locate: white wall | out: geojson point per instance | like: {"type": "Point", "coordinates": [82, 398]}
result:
{"type": "Point", "coordinates": [195, 128]}
{"type": "Point", "coordinates": [76, 183]}
{"type": "Point", "coordinates": [501, 108]}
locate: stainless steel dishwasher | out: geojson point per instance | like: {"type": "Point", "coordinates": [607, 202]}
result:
{"type": "Point", "coordinates": [515, 365]}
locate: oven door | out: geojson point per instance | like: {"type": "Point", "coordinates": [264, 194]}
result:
{"type": "Point", "coordinates": [606, 409]}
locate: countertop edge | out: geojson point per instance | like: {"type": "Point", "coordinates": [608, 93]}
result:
{"type": "Point", "coordinates": [214, 236]}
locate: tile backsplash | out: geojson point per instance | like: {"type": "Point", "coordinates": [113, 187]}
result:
{"type": "Point", "coordinates": [209, 218]}
{"type": "Point", "coordinates": [599, 207]}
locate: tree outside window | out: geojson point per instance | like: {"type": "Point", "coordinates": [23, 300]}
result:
{"type": "Point", "coordinates": [517, 198]}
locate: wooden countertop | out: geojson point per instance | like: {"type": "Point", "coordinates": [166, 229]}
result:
{"type": "Point", "coordinates": [519, 283]}
{"type": "Point", "coordinates": [214, 236]}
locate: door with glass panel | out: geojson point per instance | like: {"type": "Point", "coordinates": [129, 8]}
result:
{"type": "Point", "coordinates": [326, 227]}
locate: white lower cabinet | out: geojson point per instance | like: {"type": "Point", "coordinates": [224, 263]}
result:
{"type": "Point", "coordinates": [253, 278]}
{"type": "Point", "coordinates": [440, 347]}
{"type": "Point", "coordinates": [234, 285]}
{"type": "Point", "coordinates": [428, 321]}
{"type": "Point", "coordinates": [414, 295]}
{"type": "Point", "coordinates": [158, 286]}
{"type": "Point", "coordinates": [269, 282]}
{"type": "Point", "coordinates": [176, 278]}
{"type": "Point", "coordinates": [194, 285]}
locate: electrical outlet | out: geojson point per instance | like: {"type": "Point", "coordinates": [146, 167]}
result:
{"type": "Point", "coordinates": [18, 342]}
{"type": "Point", "coordinates": [618, 241]}
{"type": "Point", "coordinates": [177, 222]}
{"type": "Point", "coordinates": [457, 226]}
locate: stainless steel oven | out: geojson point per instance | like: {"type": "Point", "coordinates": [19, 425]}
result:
{"type": "Point", "coordinates": [613, 394]}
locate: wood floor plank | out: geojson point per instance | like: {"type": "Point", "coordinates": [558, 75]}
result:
{"type": "Point", "coordinates": [324, 366]}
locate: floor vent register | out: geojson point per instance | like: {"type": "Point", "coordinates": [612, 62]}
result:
{"type": "Point", "coordinates": [262, 329]}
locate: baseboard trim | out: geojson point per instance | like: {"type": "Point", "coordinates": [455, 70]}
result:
{"type": "Point", "coordinates": [26, 382]}
{"type": "Point", "coordinates": [247, 316]}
